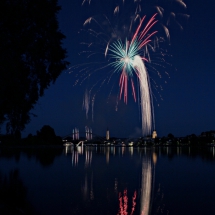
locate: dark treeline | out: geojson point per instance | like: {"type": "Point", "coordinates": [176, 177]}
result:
{"type": "Point", "coordinates": [31, 57]}
{"type": "Point", "coordinates": [45, 136]}
{"type": "Point", "coordinates": [205, 138]}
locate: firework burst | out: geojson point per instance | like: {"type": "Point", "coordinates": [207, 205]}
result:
{"type": "Point", "coordinates": [122, 43]}
{"type": "Point", "coordinates": [128, 61]}
{"type": "Point", "coordinates": [169, 11]}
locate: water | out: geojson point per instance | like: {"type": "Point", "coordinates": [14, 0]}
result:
{"type": "Point", "coordinates": [107, 180]}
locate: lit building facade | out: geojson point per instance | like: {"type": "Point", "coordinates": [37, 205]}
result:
{"type": "Point", "coordinates": [154, 134]}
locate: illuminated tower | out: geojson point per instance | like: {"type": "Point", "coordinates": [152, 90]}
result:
{"type": "Point", "coordinates": [154, 134]}
{"type": "Point", "coordinates": [87, 132]}
{"type": "Point", "coordinates": [91, 134]}
{"type": "Point", "coordinates": [73, 134]}
{"type": "Point", "coordinates": [107, 134]}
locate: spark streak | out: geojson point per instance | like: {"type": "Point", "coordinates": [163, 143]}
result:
{"type": "Point", "coordinates": [146, 108]}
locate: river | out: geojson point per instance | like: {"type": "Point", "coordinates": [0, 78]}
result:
{"type": "Point", "coordinates": [107, 180]}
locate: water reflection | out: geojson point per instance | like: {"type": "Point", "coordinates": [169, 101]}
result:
{"type": "Point", "coordinates": [45, 155]}
{"type": "Point", "coordinates": [123, 203]}
{"type": "Point", "coordinates": [13, 195]}
{"type": "Point", "coordinates": [91, 180]}
{"type": "Point", "coordinates": [88, 157]}
{"type": "Point", "coordinates": [87, 191]}
{"type": "Point", "coordinates": [114, 181]}
{"type": "Point", "coordinates": [212, 150]}
{"type": "Point", "coordinates": [146, 186]}
{"type": "Point", "coordinates": [207, 153]}
{"type": "Point", "coordinates": [76, 152]}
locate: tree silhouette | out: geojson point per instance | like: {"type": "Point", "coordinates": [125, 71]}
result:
{"type": "Point", "coordinates": [47, 136]}
{"type": "Point", "coordinates": [31, 57]}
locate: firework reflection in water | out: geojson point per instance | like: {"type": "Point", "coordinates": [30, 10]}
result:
{"type": "Point", "coordinates": [146, 187]}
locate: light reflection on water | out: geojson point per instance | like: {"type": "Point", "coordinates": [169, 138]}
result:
{"type": "Point", "coordinates": [146, 186]}
{"type": "Point", "coordinates": [146, 177]}
{"type": "Point", "coordinates": [113, 180]}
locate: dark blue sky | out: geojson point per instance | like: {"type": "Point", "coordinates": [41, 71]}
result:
{"type": "Point", "coordinates": [188, 97]}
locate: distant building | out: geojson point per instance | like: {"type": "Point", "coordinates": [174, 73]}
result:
{"type": "Point", "coordinates": [107, 134]}
{"type": "Point", "coordinates": [88, 132]}
{"type": "Point", "coordinates": [154, 134]}
{"type": "Point", "coordinates": [75, 134]}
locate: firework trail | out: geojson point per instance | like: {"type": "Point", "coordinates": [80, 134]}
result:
{"type": "Point", "coordinates": [86, 102]}
{"type": "Point", "coordinates": [146, 103]}
{"type": "Point", "coordinates": [169, 11]}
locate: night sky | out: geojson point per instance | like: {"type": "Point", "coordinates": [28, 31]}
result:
{"type": "Point", "coordinates": [188, 96]}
